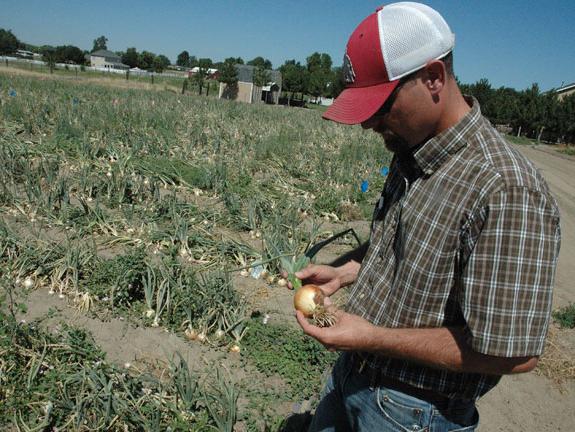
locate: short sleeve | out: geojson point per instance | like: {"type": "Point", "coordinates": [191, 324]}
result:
{"type": "Point", "coordinates": [509, 254]}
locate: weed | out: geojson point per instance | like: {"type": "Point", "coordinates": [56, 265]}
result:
{"type": "Point", "coordinates": [565, 316]}
{"type": "Point", "coordinates": [282, 350]}
{"type": "Point", "coordinates": [119, 279]}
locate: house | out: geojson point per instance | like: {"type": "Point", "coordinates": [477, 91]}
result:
{"type": "Point", "coordinates": [247, 91]}
{"type": "Point", "coordinates": [104, 59]}
{"type": "Point", "coordinates": [565, 90]}
{"type": "Point", "coordinates": [211, 73]}
{"type": "Point", "coordinates": [27, 54]}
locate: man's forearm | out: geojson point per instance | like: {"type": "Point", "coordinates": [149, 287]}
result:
{"type": "Point", "coordinates": [445, 348]}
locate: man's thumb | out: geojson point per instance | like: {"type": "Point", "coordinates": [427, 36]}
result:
{"type": "Point", "coordinates": [303, 273]}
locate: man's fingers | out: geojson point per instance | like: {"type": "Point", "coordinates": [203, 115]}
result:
{"type": "Point", "coordinates": [305, 272]}
{"type": "Point", "coordinates": [302, 321]}
{"type": "Point", "coordinates": [313, 331]}
{"type": "Point", "coordinates": [308, 328]}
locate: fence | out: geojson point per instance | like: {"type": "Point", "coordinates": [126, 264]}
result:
{"type": "Point", "coordinates": [38, 64]}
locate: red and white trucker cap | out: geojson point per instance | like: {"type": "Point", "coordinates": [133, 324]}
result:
{"type": "Point", "coordinates": [393, 42]}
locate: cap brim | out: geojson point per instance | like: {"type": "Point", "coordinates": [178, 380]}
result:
{"type": "Point", "coordinates": [357, 104]}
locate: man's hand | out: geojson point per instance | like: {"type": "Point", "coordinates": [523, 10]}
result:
{"type": "Point", "coordinates": [324, 276]}
{"type": "Point", "coordinates": [350, 333]}
{"type": "Point", "coordinates": [328, 278]}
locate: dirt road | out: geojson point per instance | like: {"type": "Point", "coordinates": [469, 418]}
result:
{"type": "Point", "coordinates": [528, 402]}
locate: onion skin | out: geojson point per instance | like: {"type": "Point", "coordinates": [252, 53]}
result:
{"type": "Point", "coordinates": [307, 298]}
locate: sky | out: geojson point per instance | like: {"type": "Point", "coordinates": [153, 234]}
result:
{"type": "Point", "coordinates": [511, 43]}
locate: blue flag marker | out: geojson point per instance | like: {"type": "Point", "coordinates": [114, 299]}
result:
{"type": "Point", "coordinates": [12, 92]}
{"type": "Point", "coordinates": [364, 186]}
{"type": "Point", "coordinates": [384, 171]}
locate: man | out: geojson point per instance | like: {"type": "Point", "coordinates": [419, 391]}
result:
{"type": "Point", "coordinates": [454, 287]}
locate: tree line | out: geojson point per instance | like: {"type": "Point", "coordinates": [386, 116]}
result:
{"type": "Point", "coordinates": [531, 113]}
{"type": "Point", "coordinates": [317, 78]}
{"type": "Point", "coordinates": [71, 54]}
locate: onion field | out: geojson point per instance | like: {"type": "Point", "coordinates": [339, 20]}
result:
{"type": "Point", "coordinates": [168, 215]}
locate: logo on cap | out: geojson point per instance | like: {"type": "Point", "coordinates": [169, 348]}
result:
{"type": "Point", "coordinates": [348, 73]}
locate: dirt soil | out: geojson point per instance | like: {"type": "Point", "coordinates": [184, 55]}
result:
{"type": "Point", "coordinates": [528, 402]}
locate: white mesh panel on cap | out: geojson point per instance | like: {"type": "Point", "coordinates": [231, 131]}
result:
{"type": "Point", "coordinates": [411, 34]}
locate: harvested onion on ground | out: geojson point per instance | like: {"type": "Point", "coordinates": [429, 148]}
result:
{"type": "Point", "coordinates": [309, 300]}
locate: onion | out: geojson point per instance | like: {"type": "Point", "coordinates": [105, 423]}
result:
{"type": "Point", "coordinates": [307, 299]}
{"type": "Point", "coordinates": [191, 334]}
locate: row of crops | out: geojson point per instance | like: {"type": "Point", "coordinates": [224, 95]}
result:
{"type": "Point", "coordinates": [148, 204]}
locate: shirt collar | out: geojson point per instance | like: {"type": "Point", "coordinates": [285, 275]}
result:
{"type": "Point", "coordinates": [431, 155]}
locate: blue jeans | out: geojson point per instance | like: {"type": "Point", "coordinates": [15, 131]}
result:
{"type": "Point", "coordinates": [350, 403]}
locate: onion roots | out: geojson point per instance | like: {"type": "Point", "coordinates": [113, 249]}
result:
{"type": "Point", "coordinates": [309, 300]}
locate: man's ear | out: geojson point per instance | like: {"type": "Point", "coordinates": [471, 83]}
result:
{"type": "Point", "coordinates": [435, 76]}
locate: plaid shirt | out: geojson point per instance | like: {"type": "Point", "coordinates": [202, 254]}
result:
{"type": "Point", "coordinates": [466, 233]}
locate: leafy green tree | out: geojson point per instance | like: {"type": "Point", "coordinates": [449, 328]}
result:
{"type": "Point", "coordinates": [193, 61]}
{"type": "Point", "coordinates": [49, 56]}
{"type": "Point", "coordinates": [336, 83]}
{"type": "Point", "coordinates": [8, 42]}
{"type": "Point", "coordinates": [502, 107]}
{"type": "Point", "coordinates": [481, 90]}
{"type": "Point", "coordinates": [229, 76]}
{"type": "Point", "coordinates": [146, 60]}
{"type": "Point", "coordinates": [320, 74]}
{"type": "Point", "coordinates": [205, 63]}
{"type": "Point", "coordinates": [530, 111]}
{"type": "Point", "coordinates": [69, 54]}
{"type": "Point", "coordinates": [566, 119]}
{"type": "Point", "coordinates": [100, 43]}
{"type": "Point", "coordinates": [294, 77]}
{"type": "Point", "coordinates": [260, 62]}
{"type": "Point", "coordinates": [200, 76]}
{"type": "Point", "coordinates": [261, 76]}
{"type": "Point", "coordinates": [131, 57]}
{"type": "Point", "coordinates": [183, 59]}
{"type": "Point", "coordinates": [161, 63]}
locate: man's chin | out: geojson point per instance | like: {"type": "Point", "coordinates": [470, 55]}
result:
{"type": "Point", "coordinates": [393, 142]}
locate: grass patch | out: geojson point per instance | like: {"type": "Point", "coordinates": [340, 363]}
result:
{"type": "Point", "coordinates": [569, 151]}
{"type": "Point", "coordinates": [565, 316]}
{"type": "Point", "coordinates": [520, 140]}
{"type": "Point", "coordinates": [317, 107]}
